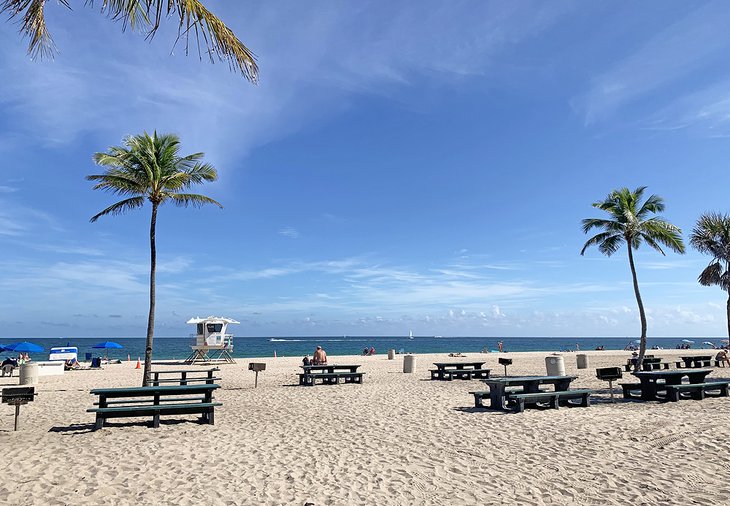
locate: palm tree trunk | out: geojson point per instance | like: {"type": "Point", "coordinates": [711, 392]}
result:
{"type": "Point", "coordinates": [151, 319]}
{"type": "Point", "coordinates": [642, 315]}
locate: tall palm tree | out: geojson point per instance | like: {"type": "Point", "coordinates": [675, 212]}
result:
{"type": "Point", "coordinates": [711, 236]}
{"type": "Point", "coordinates": [630, 223]}
{"type": "Point", "coordinates": [193, 17]}
{"type": "Point", "coordinates": [150, 168]}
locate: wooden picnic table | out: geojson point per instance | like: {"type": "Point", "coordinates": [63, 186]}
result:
{"type": "Point", "coordinates": [464, 370]}
{"type": "Point", "coordinates": [330, 368]}
{"type": "Point", "coordinates": [527, 384]}
{"type": "Point", "coordinates": [696, 361]}
{"type": "Point", "coordinates": [654, 381]}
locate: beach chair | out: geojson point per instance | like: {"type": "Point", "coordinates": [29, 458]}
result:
{"type": "Point", "coordinates": [8, 369]}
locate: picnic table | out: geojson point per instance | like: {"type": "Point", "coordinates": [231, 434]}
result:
{"type": "Point", "coordinates": [330, 374]}
{"type": "Point", "coordinates": [463, 370]}
{"type": "Point", "coordinates": [517, 385]}
{"type": "Point", "coordinates": [185, 376]}
{"type": "Point", "coordinates": [695, 361]}
{"type": "Point", "coordinates": [654, 382]}
{"type": "Point", "coordinates": [154, 401]}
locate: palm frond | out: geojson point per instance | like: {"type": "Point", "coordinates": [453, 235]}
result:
{"type": "Point", "coordinates": [711, 275]}
{"type": "Point", "coordinates": [613, 240]}
{"type": "Point", "coordinates": [33, 24]}
{"type": "Point", "coordinates": [190, 199]}
{"type": "Point", "coordinates": [662, 232]}
{"type": "Point", "coordinates": [120, 207]}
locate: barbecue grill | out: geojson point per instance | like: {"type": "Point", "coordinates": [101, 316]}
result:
{"type": "Point", "coordinates": [505, 362]}
{"type": "Point", "coordinates": [609, 374]}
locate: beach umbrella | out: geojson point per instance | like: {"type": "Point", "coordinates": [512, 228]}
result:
{"type": "Point", "coordinates": [24, 347]}
{"type": "Point", "coordinates": [708, 343]}
{"type": "Point", "coordinates": [106, 345]}
{"type": "Point", "coordinates": [688, 341]}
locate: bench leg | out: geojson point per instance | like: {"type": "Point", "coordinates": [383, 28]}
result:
{"type": "Point", "coordinates": [555, 402]}
{"type": "Point", "coordinates": [156, 420]}
{"type": "Point", "coordinates": [99, 422]}
{"type": "Point", "coordinates": [211, 416]}
{"type": "Point", "coordinates": [519, 406]}
{"type": "Point", "coordinates": [478, 401]}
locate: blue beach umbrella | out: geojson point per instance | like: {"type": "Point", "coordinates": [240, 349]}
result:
{"type": "Point", "coordinates": [106, 345]}
{"type": "Point", "coordinates": [24, 347]}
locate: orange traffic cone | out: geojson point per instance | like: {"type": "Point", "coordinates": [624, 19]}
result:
{"type": "Point", "coordinates": [139, 365]}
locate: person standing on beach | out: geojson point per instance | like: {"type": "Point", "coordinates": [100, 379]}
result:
{"type": "Point", "coordinates": [499, 346]}
{"type": "Point", "coordinates": [319, 357]}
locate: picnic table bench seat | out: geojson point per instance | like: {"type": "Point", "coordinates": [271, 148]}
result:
{"type": "Point", "coordinates": [628, 388]}
{"type": "Point", "coordinates": [480, 395]}
{"type": "Point", "coordinates": [719, 363]}
{"type": "Point", "coordinates": [330, 378]}
{"type": "Point", "coordinates": [698, 391]}
{"type": "Point", "coordinates": [185, 376]}
{"type": "Point", "coordinates": [554, 399]}
{"type": "Point", "coordinates": [449, 374]}
{"type": "Point", "coordinates": [155, 401]}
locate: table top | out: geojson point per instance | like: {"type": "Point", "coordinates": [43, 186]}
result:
{"type": "Point", "coordinates": [330, 366]}
{"type": "Point", "coordinates": [668, 373]}
{"type": "Point", "coordinates": [516, 380]}
{"type": "Point", "coordinates": [458, 364]}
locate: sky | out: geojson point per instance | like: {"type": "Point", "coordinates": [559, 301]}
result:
{"type": "Point", "coordinates": [416, 165]}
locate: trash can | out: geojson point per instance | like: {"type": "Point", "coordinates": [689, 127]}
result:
{"type": "Point", "coordinates": [409, 363]}
{"type": "Point", "coordinates": [582, 360]}
{"type": "Point", "coordinates": [391, 354]}
{"type": "Point", "coordinates": [29, 374]}
{"type": "Point", "coordinates": [555, 365]}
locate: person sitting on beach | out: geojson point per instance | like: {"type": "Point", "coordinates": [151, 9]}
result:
{"type": "Point", "coordinates": [722, 356]}
{"type": "Point", "coordinates": [319, 357]}
{"type": "Point", "coordinates": [371, 351]}
{"type": "Point", "coordinates": [72, 363]}
{"type": "Point", "coordinates": [306, 360]}
{"type": "Point", "coordinates": [365, 350]}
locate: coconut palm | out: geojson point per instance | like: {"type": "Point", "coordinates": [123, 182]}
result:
{"type": "Point", "coordinates": [630, 223]}
{"type": "Point", "coordinates": [711, 235]}
{"type": "Point", "coordinates": [146, 15]}
{"type": "Point", "coordinates": [150, 168]}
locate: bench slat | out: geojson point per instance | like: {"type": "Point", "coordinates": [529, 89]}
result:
{"type": "Point", "coordinates": [166, 407]}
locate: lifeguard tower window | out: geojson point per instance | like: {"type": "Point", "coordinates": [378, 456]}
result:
{"type": "Point", "coordinates": [214, 327]}
{"type": "Point", "coordinates": [200, 329]}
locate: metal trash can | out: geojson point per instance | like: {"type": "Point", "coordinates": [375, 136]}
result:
{"type": "Point", "coordinates": [391, 354]}
{"type": "Point", "coordinates": [555, 365]}
{"type": "Point", "coordinates": [29, 374]}
{"type": "Point", "coordinates": [409, 363]}
{"type": "Point", "coordinates": [582, 360]}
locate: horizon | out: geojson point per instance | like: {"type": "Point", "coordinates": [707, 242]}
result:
{"type": "Point", "coordinates": [398, 167]}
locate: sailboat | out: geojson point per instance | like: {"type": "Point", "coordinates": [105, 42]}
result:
{"type": "Point", "coordinates": [410, 334]}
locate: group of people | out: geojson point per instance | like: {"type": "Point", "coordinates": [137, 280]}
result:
{"type": "Point", "coordinates": [318, 358]}
{"type": "Point", "coordinates": [368, 351]}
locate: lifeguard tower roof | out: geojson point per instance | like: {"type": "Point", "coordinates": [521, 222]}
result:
{"type": "Point", "coordinates": [198, 319]}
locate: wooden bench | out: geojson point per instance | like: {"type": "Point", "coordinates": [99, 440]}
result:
{"type": "Point", "coordinates": [697, 391]}
{"type": "Point", "coordinates": [719, 363]}
{"type": "Point", "coordinates": [696, 364]}
{"type": "Point", "coordinates": [155, 401]}
{"type": "Point", "coordinates": [330, 378]}
{"type": "Point", "coordinates": [480, 395]}
{"type": "Point", "coordinates": [185, 376]}
{"type": "Point", "coordinates": [467, 374]}
{"type": "Point", "coordinates": [554, 399]}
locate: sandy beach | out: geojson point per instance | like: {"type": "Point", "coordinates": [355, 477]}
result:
{"type": "Point", "coordinates": [396, 439]}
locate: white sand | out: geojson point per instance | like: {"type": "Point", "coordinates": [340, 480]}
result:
{"type": "Point", "coordinates": [396, 439]}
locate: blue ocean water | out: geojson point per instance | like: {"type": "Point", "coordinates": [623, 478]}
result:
{"type": "Point", "coordinates": [179, 347]}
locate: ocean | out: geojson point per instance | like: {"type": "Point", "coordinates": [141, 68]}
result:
{"type": "Point", "coordinates": [178, 348]}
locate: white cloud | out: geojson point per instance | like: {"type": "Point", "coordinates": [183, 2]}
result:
{"type": "Point", "coordinates": [289, 232]}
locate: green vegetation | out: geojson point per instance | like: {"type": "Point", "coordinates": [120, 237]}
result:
{"type": "Point", "coordinates": [145, 15]}
{"type": "Point", "coordinates": [150, 168]}
{"type": "Point", "coordinates": [711, 236]}
{"type": "Point", "coordinates": [630, 223]}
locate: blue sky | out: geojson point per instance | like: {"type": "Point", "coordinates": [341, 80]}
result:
{"type": "Point", "coordinates": [405, 165]}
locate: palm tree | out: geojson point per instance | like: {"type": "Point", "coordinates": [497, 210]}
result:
{"type": "Point", "coordinates": [711, 236]}
{"type": "Point", "coordinates": [630, 223]}
{"type": "Point", "coordinates": [219, 40]}
{"type": "Point", "coordinates": [150, 168]}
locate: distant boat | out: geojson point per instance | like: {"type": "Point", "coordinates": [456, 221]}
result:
{"type": "Point", "coordinates": [410, 334]}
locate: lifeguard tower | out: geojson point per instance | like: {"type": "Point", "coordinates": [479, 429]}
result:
{"type": "Point", "coordinates": [212, 343]}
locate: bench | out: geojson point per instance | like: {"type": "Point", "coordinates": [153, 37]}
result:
{"type": "Point", "coordinates": [719, 363]}
{"type": "Point", "coordinates": [554, 399]}
{"type": "Point", "coordinates": [185, 376]}
{"type": "Point", "coordinates": [480, 395]}
{"type": "Point", "coordinates": [449, 374]}
{"type": "Point", "coordinates": [154, 401]}
{"type": "Point", "coordinates": [330, 378]}
{"type": "Point", "coordinates": [680, 364]}
{"type": "Point", "coordinates": [697, 391]}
